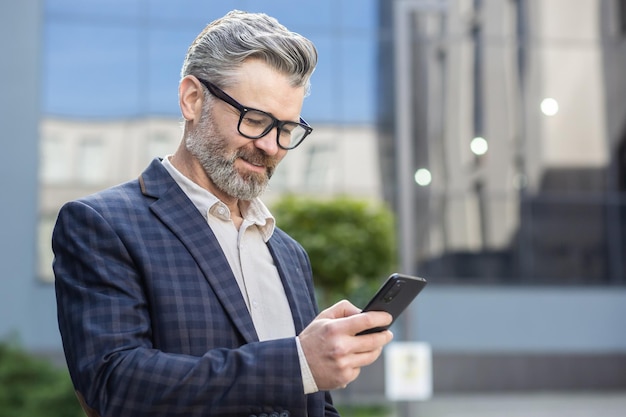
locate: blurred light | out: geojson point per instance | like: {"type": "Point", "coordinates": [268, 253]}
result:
{"type": "Point", "coordinates": [479, 146]}
{"type": "Point", "coordinates": [423, 177]}
{"type": "Point", "coordinates": [549, 106]}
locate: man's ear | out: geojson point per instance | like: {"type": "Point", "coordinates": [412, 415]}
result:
{"type": "Point", "coordinates": [190, 98]}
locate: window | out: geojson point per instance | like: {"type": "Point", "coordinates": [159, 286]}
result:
{"type": "Point", "coordinates": [54, 166]}
{"type": "Point", "coordinates": [92, 161]}
{"type": "Point", "coordinates": [319, 166]}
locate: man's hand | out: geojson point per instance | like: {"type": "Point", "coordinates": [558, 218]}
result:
{"type": "Point", "coordinates": [334, 352]}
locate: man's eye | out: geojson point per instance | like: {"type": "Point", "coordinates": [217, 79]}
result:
{"type": "Point", "coordinates": [255, 121]}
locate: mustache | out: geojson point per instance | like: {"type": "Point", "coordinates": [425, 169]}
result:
{"type": "Point", "coordinates": [257, 157]}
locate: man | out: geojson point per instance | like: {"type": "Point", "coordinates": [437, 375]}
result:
{"type": "Point", "coordinates": [177, 295]}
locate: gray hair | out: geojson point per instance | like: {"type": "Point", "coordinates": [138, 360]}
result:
{"type": "Point", "coordinates": [220, 49]}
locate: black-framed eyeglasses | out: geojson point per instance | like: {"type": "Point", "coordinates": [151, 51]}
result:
{"type": "Point", "coordinates": [254, 124]}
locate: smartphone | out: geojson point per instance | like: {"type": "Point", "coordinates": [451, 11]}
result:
{"type": "Point", "coordinates": [394, 296]}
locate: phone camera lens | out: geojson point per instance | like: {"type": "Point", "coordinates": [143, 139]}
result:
{"type": "Point", "coordinates": [393, 292]}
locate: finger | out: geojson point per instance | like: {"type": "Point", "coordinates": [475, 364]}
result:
{"type": "Point", "coordinates": [366, 358]}
{"type": "Point", "coordinates": [369, 320]}
{"type": "Point", "coordinates": [356, 361]}
{"type": "Point", "coordinates": [371, 342]}
{"type": "Point", "coordinates": [343, 308]}
{"type": "Point", "coordinates": [347, 378]}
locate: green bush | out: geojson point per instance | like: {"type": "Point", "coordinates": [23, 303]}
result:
{"type": "Point", "coordinates": [351, 243]}
{"type": "Point", "coordinates": [32, 387]}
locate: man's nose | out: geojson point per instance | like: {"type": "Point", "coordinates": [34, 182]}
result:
{"type": "Point", "coordinates": [269, 142]}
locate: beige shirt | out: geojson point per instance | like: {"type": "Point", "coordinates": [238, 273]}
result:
{"type": "Point", "coordinates": [251, 262]}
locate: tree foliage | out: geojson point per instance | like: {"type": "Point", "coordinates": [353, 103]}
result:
{"type": "Point", "coordinates": [351, 242]}
{"type": "Point", "coordinates": [32, 387]}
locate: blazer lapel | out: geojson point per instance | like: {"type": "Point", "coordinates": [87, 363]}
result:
{"type": "Point", "coordinates": [292, 278]}
{"type": "Point", "coordinates": [176, 211]}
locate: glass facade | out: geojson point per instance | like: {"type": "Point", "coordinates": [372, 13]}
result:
{"type": "Point", "coordinates": [119, 59]}
{"type": "Point", "coordinates": [517, 114]}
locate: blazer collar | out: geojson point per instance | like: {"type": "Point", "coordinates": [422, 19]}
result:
{"type": "Point", "coordinates": [176, 211]}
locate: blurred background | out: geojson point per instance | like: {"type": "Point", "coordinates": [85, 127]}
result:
{"type": "Point", "coordinates": [495, 130]}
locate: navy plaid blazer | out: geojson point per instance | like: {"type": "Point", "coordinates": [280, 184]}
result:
{"type": "Point", "coordinates": [152, 320]}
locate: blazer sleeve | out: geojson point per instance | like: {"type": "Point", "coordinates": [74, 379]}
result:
{"type": "Point", "coordinates": [105, 324]}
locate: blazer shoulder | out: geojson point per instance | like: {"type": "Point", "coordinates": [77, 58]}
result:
{"type": "Point", "coordinates": [146, 187]}
{"type": "Point", "coordinates": [126, 193]}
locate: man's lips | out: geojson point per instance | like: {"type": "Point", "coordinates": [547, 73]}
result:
{"type": "Point", "coordinates": [255, 166]}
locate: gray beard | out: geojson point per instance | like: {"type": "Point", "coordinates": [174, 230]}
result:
{"type": "Point", "coordinates": [206, 144]}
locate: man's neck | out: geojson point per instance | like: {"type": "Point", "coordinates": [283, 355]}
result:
{"type": "Point", "coordinates": [192, 170]}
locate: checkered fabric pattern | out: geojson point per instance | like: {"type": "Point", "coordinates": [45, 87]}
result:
{"type": "Point", "coordinates": [152, 320]}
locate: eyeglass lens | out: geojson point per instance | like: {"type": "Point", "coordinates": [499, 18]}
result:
{"type": "Point", "coordinates": [255, 124]}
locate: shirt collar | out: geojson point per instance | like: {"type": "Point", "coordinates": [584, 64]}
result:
{"type": "Point", "coordinates": [253, 211]}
